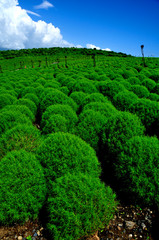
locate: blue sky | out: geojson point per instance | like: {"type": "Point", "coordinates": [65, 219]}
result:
{"type": "Point", "coordinates": [121, 26]}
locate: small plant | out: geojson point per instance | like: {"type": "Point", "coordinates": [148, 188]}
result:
{"type": "Point", "coordinates": [29, 238]}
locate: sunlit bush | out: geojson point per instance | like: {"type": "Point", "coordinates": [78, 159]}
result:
{"type": "Point", "coordinates": [21, 136]}
{"type": "Point", "coordinates": [78, 206]}
{"type": "Point", "coordinates": [63, 153]}
{"type": "Point", "coordinates": [22, 187]}
{"type": "Point", "coordinates": [137, 170]}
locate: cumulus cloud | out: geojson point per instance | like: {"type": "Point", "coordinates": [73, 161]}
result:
{"type": "Point", "coordinates": [18, 30]}
{"type": "Point", "coordinates": [44, 5]}
{"type": "Point", "coordinates": [79, 46]}
{"type": "Point", "coordinates": [98, 48]}
{"type": "Point", "coordinates": [92, 46]}
{"type": "Point", "coordinates": [106, 49]}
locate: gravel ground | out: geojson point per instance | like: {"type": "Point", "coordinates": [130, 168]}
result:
{"type": "Point", "coordinates": [129, 223]}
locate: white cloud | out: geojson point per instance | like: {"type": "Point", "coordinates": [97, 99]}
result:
{"type": "Point", "coordinates": [98, 48]}
{"type": "Point", "coordinates": [33, 13]}
{"type": "Point", "coordinates": [18, 30]}
{"type": "Point", "coordinates": [79, 46]}
{"type": "Point", "coordinates": [92, 46]}
{"type": "Point", "coordinates": [44, 5]}
{"type": "Point", "coordinates": [106, 49]}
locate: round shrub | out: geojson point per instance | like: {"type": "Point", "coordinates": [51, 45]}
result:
{"type": "Point", "coordinates": [124, 99]}
{"type": "Point", "coordinates": [21, 136]}
{"type": "Point", "coordinates": [26, 102]}
{"type": "Point", "coordinates": [33, 98]}
{"type": "Point", "coordinates": [111, 89]}
{"type": "Point", "coordinates": [65, 90]}
{"type": "Point", "coordinates": [128, 73]}
{"type": "Point", "coordinates": [22, 187]}
{"type": "Point", "coordinates": [154, 75]}
{"type": "Point", "coordinates": [149, 84]}
{"type": "Point", "coordinates": [102, 85]}
{"type": "Point", "coordinates": [140, 91]}
{"type": "Point", "coordinates": [26, 90]}
{"type": "Point", "coordinates": [56, 97]}
{"type": "Point", "coordinates": [134, 81]}
{"type": "Point", "coordinates": [154, 97]}
{"type": "Point", "coordinates": [90, 127]}
{"type": "Point", "coordinates": [21, 108]}
{"type": "Point", "coordinates": [10, 119]}
{"type": "Point", "coordinates": [156, 89]}
{"type": "Point", "coordinates": [94, 97]}
{"type": "Point", "coordinates": [148, 112]}
{"type": "Point", "coordinates": [64, 110]}
{"type": "Point", "coordinates": [78, 98]}
{"type": "Point", "coordinates": [10, 92]}
{"type": "Point", "coordinates": [106, 109]}
{"type": "Point", "coordinates": [84, 85]}
{"type": "Point", "coordinates": [52, 84]}
{"type": "Point", "coordinates": [6, 99]}
{"type": "Point", "coordinates": [119, 128]}
{"type": "Point", "coordinates": [62, 152]}
{"type": "Point", "coordinates": [39, 90]}
{"type": "Point", "coordinates": [55, 123]}
{"type": "Point", "coordinates": [137, 169]}
{"type": "Point", "coordinates": [78, 206]}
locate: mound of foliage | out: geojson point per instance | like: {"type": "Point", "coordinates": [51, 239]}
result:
{"type": "Point", "coordinates": [137, 169]}
{"type": "Point", "coordinates": [78, 206]}
{"type": "Point", "coordinates": [21, 136]}
{"type": "Point", "coordinates": [61, 109]}
{"type": "Point", "coordinates": [56, 97]}
{"type": "Point", "coordinates": [22, 187]}
{"type": "Point", "coordinates": [62, 152]}
{"type": "Point", "coordinates": [55, 123]}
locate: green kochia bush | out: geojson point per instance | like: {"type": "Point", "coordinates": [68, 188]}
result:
{"type": "Point", "coordinates": [137, 169]}
{"type": "Point", "coordinates": [154, 97]}
{"type": "Point", "coordinates": [26, 102]}
{"type": "Point", "coordinates": [55, 123]}
{"type": "Point", "coordinates": [22, 187]}
{"type": "Point", "coordinates": [62, 152]}
{"type": "Point", "coordinates": [78, 98]}
{"type": "Point", "coordinates": [10, 119]}
{"type": "Point", "coordinates": [6, 99]}
{"type": "Point", "coordinates": [90, 127]}
{"type": "Point", "coordinates": [148, 112]}
{"type": "Point", "coordinates": [56, 97]}
{"type": "Point", "coordinates": [110, 89]}
{"type": "Point", "coordinates": [33, 98]}
{"type": "Point", "coordinates": [124, 99]}
{"type": "Point", "coordinates": [107, 109]}
{"type": "Point", "coordinates": [21, 136]}
{"type": "Point", "coordinates": [134, 81]}
{"type": "Point", "coordinates": [149, 84]}
{"type": "Point", "coordinates": [21, 108]}
{"type": "Point", "coordinates": [94, 97]}
{"type": "Point", "coordinates": [84, 85]}
{"type": "Point", "coordinates": [78, 206]}
{"type": "Point", "coordinates": [63, 110]}
{"type": "Point", "coordinates": [140, 91]}
{"type": "Point", "coordinates": [119, 128]}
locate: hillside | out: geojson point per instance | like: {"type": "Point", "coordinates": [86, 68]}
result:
{"type": "Point", "coordinates": [79, 144]}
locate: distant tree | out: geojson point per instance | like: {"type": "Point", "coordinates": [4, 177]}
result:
{"type": "Point", "coordinates": [142, 51]}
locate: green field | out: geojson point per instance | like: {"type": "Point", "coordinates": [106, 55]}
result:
{"type": "Point", "coordinates": [79, 133]}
